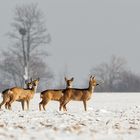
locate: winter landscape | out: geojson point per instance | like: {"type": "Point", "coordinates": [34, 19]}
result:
{"type": "Point", "coordinates": [110, 116]}
{"type": "Point", "coordinates": [44, 43]}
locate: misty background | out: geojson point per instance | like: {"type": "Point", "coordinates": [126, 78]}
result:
{"type": "Point", "coordinates": [84, 34]}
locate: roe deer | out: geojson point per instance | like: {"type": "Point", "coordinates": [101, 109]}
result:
{"type": "Point", "coordinates": [6, 97]}
{"type": "Point", "coordinates": [21, 95]}
{"type": "Point", "coordinates": [54, 94]}
{"type": "Point", "coordinates": [79, 94]}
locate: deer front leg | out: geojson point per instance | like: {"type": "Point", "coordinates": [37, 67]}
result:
{"type": "Point", "coordinates": [63, 105]}
{"type": "Point", "coordinates": [64, 108]}
{"type": "Point", "coordinates": [85, 106]}
{"type": "Point", "coordinates": [10, 103]}
{"type": "Point", "coordinates": [23, 105]}
{"type": "Point", "coordinates": [28, 104]}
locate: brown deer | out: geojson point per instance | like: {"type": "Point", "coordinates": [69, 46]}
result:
{"type": "Point", "coordinates": [79, 94]}
{"type": "Point", "coordinates": [54, 94]}
{"type": "Point", "coordinates": [6, 97]}
{"type": "Point", "coordinates": [20, 94]}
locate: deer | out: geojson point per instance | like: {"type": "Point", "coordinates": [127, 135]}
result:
{"type": "Point", "coordinates": [20, 94]}
{"type": "Point", "coordinates": [54, 94]}
{"type": "Point", "coordinates": [79, 94]}
{"type": "Point", "coordinates": [6, 97]}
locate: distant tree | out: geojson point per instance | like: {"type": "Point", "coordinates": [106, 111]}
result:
{"type": "Point", "coordinates": [29, 38]}
{"type": "Point", "coordinates": [129, 82]}
{"type": "Point", "coordinates": [110, 73]}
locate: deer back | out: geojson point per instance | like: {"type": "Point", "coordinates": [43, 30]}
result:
{"type": "Point", "coordinates": [77, 94]}
{"type": "Point", "coordinates": [52, 94]}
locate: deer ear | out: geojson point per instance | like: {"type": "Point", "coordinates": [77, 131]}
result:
{"type": "Point", "coordinates": [65, 79]}
{"type": "Point", "coordinates": [38, 78]}
{"type": "Point", "coordinates": [93, 77]}
{"type": "Point", "coordinates": [72, 79]}
{"type": "Point", "coordinates": [90, 77]}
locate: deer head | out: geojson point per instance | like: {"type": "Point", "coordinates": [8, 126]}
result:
{"type": "Point", "coordinates": [69, 82]}
{"type": "Point", "coordinates": [93, 81]}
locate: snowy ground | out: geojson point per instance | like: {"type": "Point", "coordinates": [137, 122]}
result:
{"type": "Point", "coordinates": [109, 117]}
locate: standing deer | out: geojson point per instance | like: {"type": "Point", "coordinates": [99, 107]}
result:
{"type": "Point", "coordinates": [79, 94]}
{"type": "Point", "coordinates": [6, 97]}
{"type": "Point", "coordinates": [20, 94]}
{"type": "Point", "coordinates": [54, 94]}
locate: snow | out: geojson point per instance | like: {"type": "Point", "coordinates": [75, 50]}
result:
{"type": "Point", "coordinates": [110, 116]}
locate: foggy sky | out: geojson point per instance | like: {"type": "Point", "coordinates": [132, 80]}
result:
{"type": "Point", "coordinates": [84, 33]}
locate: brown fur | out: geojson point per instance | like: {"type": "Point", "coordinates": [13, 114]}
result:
{"type": "Point", "coordinates": [19, 94]}
{"type": "Point", "coordinates": [79, 94]}
{"type": "Point", "coordinates": [6, 97]}
{"type": "Point", "coordinates": [54, 95]}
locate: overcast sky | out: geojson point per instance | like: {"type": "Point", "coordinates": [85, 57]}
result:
{"type": "Point", "coordinates": [84, 33]}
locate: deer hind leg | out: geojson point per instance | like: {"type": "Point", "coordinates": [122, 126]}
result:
{"type": "Point", "coordinates": [10, 103]}
{"type": "Point", "coordinates": [6, 105]}
{"type": "Point", "coordinates": [40, 104]}
{"type": "Point", "coordinates": [5, 101]}
{"type": "Point", "coordinates": [85, 105]}
{"type": "Point", "coordinates": [45, 103]}
{"type": "Point", "coordinates": [2, 103]}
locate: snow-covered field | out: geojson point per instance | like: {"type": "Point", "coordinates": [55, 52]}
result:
{"type": "Point", "coordinates": [109, 117]}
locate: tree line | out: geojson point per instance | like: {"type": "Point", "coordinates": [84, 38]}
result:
{"type": "Point", "coordinates": [116, 76]}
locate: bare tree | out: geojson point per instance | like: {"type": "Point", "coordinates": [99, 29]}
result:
{"type": "Point", "coordinates": [129, 82]}
{"type": "Point", "coordinates": [29, 23]}
{"type": "Point", "coordinates": [29, 37]}
{"type": "Point", "coordinates": [110, 72]}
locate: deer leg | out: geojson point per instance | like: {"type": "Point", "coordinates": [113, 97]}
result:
{"type": "Point", "coordinates": [5, 101]}
{"type": "Point", "coordinates": [23, 105]}
{"type": "Point", "coordinates": [40, 104]}
{"type": "Point", "coordinates": [60, 107]}
{"type": "Point", "coordinates": [85, 106]}
{"type": "Point", "coordinates": [10, 102]}
{"type": "Point", "coordinates": [6, 105]}
{"type": "Point", "coordinates": [64, 108]}
{"type": "Point", "coordinates": [44, 104]}
{"type": "Point", "coordinates": [27, 104]}
{"type": "Point", "coordinates": [63, 104]}
{"type": "Point", "coordinates": [2, 103]}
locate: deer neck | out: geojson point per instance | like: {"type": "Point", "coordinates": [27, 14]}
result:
{"type": "Point", "coordinates": [91, 88]}
{"type": "Point", "coordinates": [34, 89]}
{"type": "Point", "coordinates": [69, 86]}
